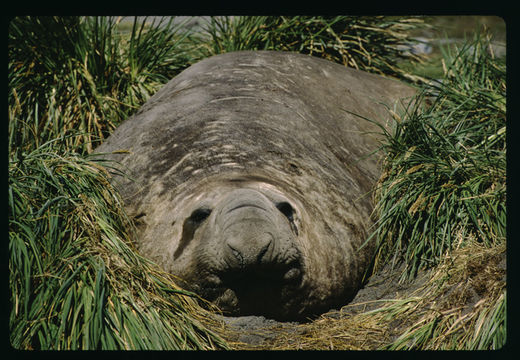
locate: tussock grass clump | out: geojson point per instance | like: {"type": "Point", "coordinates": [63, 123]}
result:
{"type": "Point", "coordinates": [370, 43]}
{"type": "Point", "coordinates": [462, 307]}
{"type": "Point", "coordinates": [444, 172]}
{"type": "Point", "coordinates": [75, 280]}
{"type": "Point", "coordinates": [70, 75]}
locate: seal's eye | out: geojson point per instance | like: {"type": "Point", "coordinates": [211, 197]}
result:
{"type": "Point", "coordinates": [199, 215]}
{"type": "Point", "coordinates": [191, 224]}
{"type": "Point", "coordinates": [288, 211]}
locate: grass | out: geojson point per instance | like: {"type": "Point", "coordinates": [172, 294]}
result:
{"type": "Point", "coordinates": [84, 74]}
{"type": "Point", "coordinates": [463, 27]}
{"type": "Point", "coordinates": [444, 173]}
{"type": "Point", "coordinates": [76, 282]}
{"type": "Point", "coordinates": [369, 43]}
{"type": "Point", "coordinates": [70, 75]}
{"type": "Point", "coordinates": [462, 307]}
{"type": "Point", "coordinates": [445, 32]}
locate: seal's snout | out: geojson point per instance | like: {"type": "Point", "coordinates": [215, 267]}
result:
{"type": "Point", "coordinates": [251, 229]}
{"type": "Point", "coordinates": [249, 249]}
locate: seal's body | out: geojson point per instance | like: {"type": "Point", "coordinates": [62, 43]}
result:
{"type": "Point", "coordinates": [250, 178]}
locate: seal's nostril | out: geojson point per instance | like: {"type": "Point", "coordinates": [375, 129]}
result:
{"type": "Point", "coordinates": [237, 255]}
{"type": "Point", "coordinates": [262, 252]}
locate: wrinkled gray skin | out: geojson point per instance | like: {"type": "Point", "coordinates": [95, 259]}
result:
{"type": "Point", "coordinates": [250, 179]}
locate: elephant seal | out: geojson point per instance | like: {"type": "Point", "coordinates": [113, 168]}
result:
{"type": "Point", "coordinates": [250, 179]}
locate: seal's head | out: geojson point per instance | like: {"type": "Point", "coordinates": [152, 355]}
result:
{"type": "Point", "coordinates": [253, 244]}
{"type": "Point", "coordinates": [247, 257]}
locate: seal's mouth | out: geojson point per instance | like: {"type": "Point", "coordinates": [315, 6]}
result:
{"type": "Point", "coordinates": [256, 290]}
